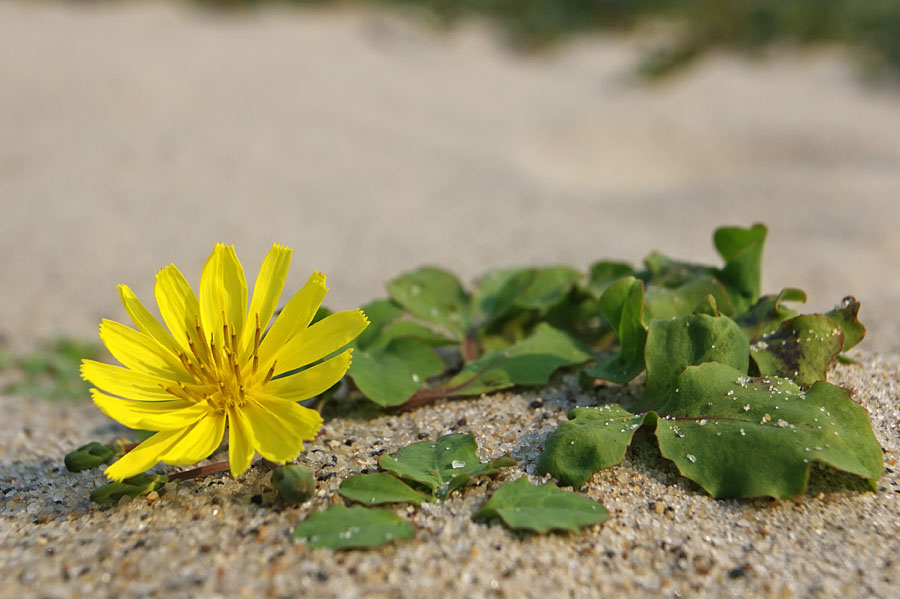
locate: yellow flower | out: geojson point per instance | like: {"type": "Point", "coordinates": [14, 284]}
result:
{"type": "Point", "coordinates": [215, 368]}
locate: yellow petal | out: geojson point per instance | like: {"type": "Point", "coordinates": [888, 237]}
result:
{"type": "Point", "coordinates": [123, 382]}
{"type": "Point", "coordinates": [311, 381]}
{"type": "Point", "coordinates": [223, 290]}
{"type": "Point", "coordinates": [203, 438]}
{"type": "Point", "coordinates": [319, 340]}
{"type": "Point", "coordinates": [266, 292]}
{"type": "Point", "coordinates": [280, 426]}
{"type": "Point", "coordinates": [144, 456]}
{"type": "Point", "coordinates": [150, 415]}
{"type": "Point", "coordinates": [240, 443]}
{"type": "Point", "coordinates": [296, 316]}
{"type": "Point", "coordinates": [144, 321]}
{"type": "Point", "coordinates": [179, 308]}
{"type": "Point", "coordinates": [140, 352]}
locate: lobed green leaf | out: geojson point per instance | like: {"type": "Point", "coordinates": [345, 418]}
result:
{"type": "Point", "coordinates": [443, 465]}
{"type": "Point", "coordinates": [340, 527]}
{"type": "Point", "coordinates": [379, 488]}
{"type": "Point", "coordinates": [801, 349]}
{"type": "Point", "coordinates": [742, 274]}
{"type": "Point", "coordinates": [542, 508]}
{"type": "Point", "coordinates": [592, 439]}
{"type": "Point", "coordinates": [673, 345]}
{"type": "Point", "coordinates": [748, 437]}
{"type": "Point", "coordinates": [391, 375]}
{"type": "Point", "coordinates": [528, 362]}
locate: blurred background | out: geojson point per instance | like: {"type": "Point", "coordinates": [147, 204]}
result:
{"type": "Point", "coordinates": [375, 136]}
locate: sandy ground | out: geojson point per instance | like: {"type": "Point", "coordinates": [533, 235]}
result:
{"type": "Point", "coordinates": [138, 134]}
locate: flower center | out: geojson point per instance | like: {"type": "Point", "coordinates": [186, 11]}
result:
{"type": "Point", "coordinates": [222, 376]}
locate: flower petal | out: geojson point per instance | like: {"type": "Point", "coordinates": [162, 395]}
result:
{"type": "Point", "coordinates": [141, 353]}
{"type": "Point", "coordinates": [223, 290]}
{"type": "Point", "coordinates": [240, 442]}
{"type": "Point", "coordinates": [126, 383]}
{"type": "Point", "coordinates": [144, 321]}
{"type": "Point", "coordinates": [280, 426]}
{"type": "Point", "coordinates": [313, 380]}
{"type": "Point", "coordinates": [150, 415]}
{"type": "Point", "coordinates": [266, 292]}
{"type": "Point", "coordinates": [179, 308]}
{"type": "Point", "coordinates": [144, 456]}
{"type": "Point", "coordinates": [203, 438]}
{"type": "Point", "coordinates": [295, 316]}
{"type": "Point", "coordinates": [319, 340]}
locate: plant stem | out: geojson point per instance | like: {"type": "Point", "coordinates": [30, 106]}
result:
{"type": "Point", "coordinates": [470, 347]}
{"type": "Point", "coordinates": [201, 471]}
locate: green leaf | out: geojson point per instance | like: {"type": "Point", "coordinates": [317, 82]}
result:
{"type": "Point", "coordinates": [434, 295]}
{"type": "Point", "coordinates": [767, 314]}
{"type": "Point", "coordinates": [622, 305]}
{"type": "Point", "coordinates": [845, 314]}
{"type": "Point", "coordinates": [672, 301]}
{"type": "Point", "coordinates": [340, 527]}
{"type": "Point", "coordinates": [742, 437]}
{"type": "Point", "coordinates": [391, 375]}
{"type": "Point", "coordinates": [592, 439]}
{"type": "Point", "coordinates": [443, 465]}
{"type": "Point", "coordinates": [378, 488]}
{"type": "Point", "coordinates": [541, 508]}
{"type": "Point", "coordinates": [502, 291]}
{"type": "Point", "coordinates": [602, 274]}
{"type": "Point", "coordinates": [800, 349]}
{"type": "Point", "coordinates": [528, 362]}
{"type": "Point", "coordinates": [548, 287]}
{"type": "Point", "coordinates": [742, 274]}
{"type": "Point", "coordinates": [407, 329]}
{"type": "Point", "coordinates": [380, 313]}
{"type": "Point", "coordinates": [674, 344]}
{"type": "Point", "coordinates": [497, 292]}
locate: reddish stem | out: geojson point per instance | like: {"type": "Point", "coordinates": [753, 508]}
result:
{"type": "Point", "coordinates": [469, 348]}
{"type": "Point", "coordinates": [201, 471]}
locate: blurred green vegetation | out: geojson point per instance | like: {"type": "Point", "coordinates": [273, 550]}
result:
{"type": "Point", "coordinates": [871, 28]}
{"type": "Point", "coordinates": [50, 372]}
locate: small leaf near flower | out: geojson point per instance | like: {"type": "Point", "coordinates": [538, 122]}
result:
{"type": "Point", "coordinates": [542, 508]}
{"type": "Point", "coordinates": [443, 465]}
{"type": "Point", "coordinates": [340, 527]}
{"type": "Point", "coordinates": [378, 488]}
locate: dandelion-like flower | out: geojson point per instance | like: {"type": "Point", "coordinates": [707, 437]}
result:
{"type": "Point", "coordinates": [217, 366]}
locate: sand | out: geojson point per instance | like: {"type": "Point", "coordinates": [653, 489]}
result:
{"type": "Point", "coordinates": [138, 134]}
